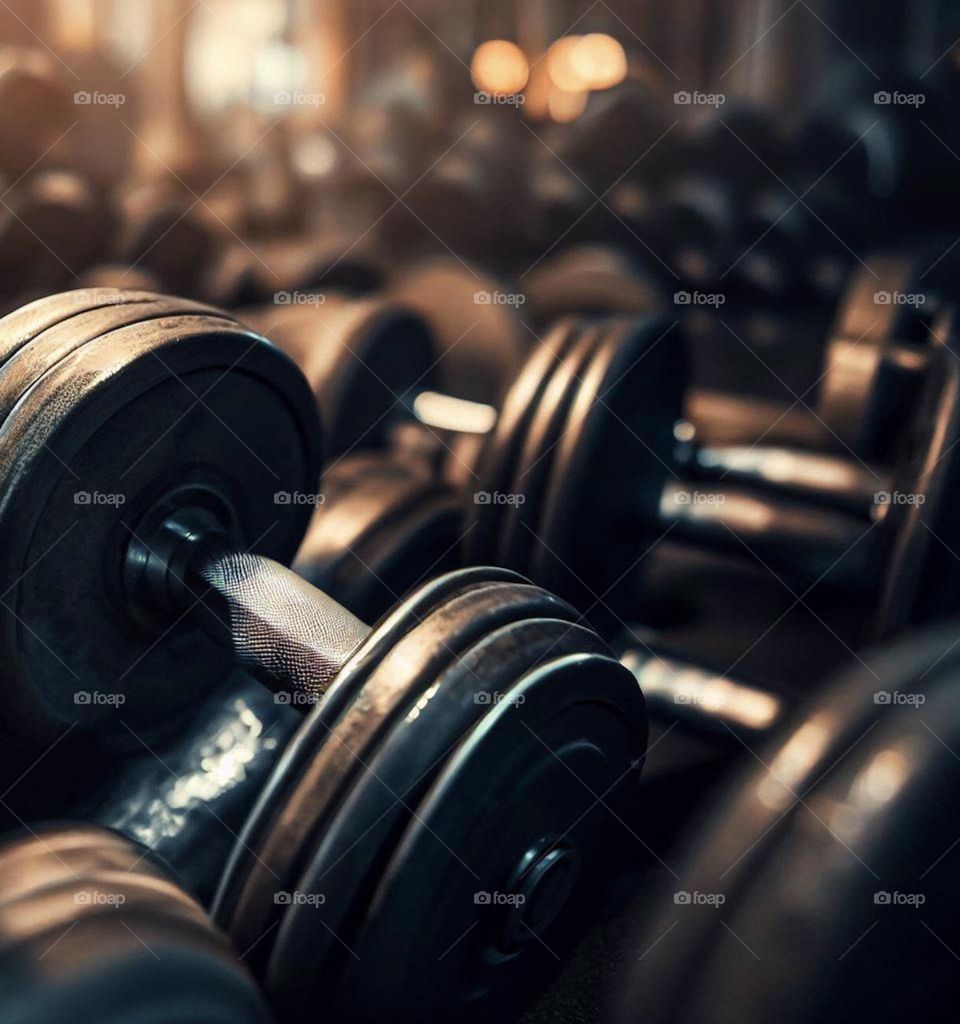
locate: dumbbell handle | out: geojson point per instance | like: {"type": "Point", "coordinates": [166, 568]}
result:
{"type": "Point", "coordinates": [807, 542]}
{"type": "Point", "coordinates": [827, 479]}
{"type": "Point", "coordinates": [291, 636]}
{"type": "Point", "coordinates": [700, 701]}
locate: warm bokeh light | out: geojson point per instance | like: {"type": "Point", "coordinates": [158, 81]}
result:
{"type": "Point", "coordinates": [560, 66]}
{"type": "Point", "coordinates": [598, 60]}
{"type": "Point", "coordinates": [565, 105]}
{"type": "Point", "coordinates": [499, 67]}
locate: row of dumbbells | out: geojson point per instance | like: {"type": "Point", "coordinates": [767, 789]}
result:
{"type": "Point", "coordinates": [458, 785]}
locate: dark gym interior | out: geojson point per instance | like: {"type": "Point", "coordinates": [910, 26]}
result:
{"type": "Point", "coordinates": [475, 525]}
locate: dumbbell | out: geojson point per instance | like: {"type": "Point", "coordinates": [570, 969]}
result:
{"type": "Point", "coordinates": [53, 225]}
{"type": "Point", "coordinates": [93, 928]}
{"type": "Point", "coordinates": [167, 452]}
{"type": "Point", "coordinates": [824, 875]}
{"type": "Point", "coordinates": [36, 107]}
{"type": "Point", "coordinates": [582, 471]}
{"type": "Point", "coordinates": [439, 324]}
{"type": "Point", "coordinates": [874, 359]}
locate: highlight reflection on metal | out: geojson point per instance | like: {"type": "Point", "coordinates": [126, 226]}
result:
{"type": "Point", "coordinates": [833, 479]}
{"type": "Point", "coordinates": [219, 764]}
{"type": "Point", "coordinates": [778, 788]}
{"type": "Point", "coordinates": [701, 700]}
{"type": "Point", "coordinates": [443, 412]}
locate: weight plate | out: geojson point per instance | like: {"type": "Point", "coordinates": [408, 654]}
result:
{"type": "Point", "coordinates": [520, 535]}
{"type": "Point", "coordinates": [380, 536]}
{"type": "Point", "coordinates": [360, 356]}
{"type": "Point", "coordinates": [299, 753]}
{"type": "Point", "coordinates": [495, 469]}
{"type": "Point", "coordinates": [809, 852]}
{"type": "Point", "coordinates": [26, 366]}
{"type": "Point", "coordinates": [518, 804]}
{"type": "Point", "coordinates": [91, 929]}
{"type": "Point", "coordinates": [312, 940]}
{"type": "Point", "coordinates": [169, 403]}
{"type": "Point", "coordinates": [617, 438]}
{"type": "Point", "coordinates": [404, 673]}
{"type": "Point", "coordinates": [481, 343]}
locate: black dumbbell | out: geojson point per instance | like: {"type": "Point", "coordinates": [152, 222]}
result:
{"type": "Point", "coordinates": [178, 444]}
{"type": "Point", "coordinates": [438, 327]}
{"type": "Point", "coordinates": [825, 875]}
{"type": "Point", "coordinates": [93, 928]}
{"type": "Point", "coordinates": [585, 467]}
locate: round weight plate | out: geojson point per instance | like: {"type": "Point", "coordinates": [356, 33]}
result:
{"type": "Point", "coordinates": [403, 674]}
{"type": "Point", "coordinates": [360, 356]}
{"type": "Point", "coordinates": [809, 851]}
{"type": "Point", "coordinates": [503, 446]}
{"type": "Point", "coordinates": [362, 836]}
{"type": "Point", "coordinates": [481, 342]}
{"type": "Point", "coordinates": [23, 325]}
{"type": "Point", "coordinates": [589, 279]}
{"type": "Point", "coordinates": [618, 437]}
{"type": "Point", "coordinates": [530, 805]}
{"type": "Point", "coordinates": [378, 538]}
{"type": "Point", "coordinates": [519, 530]}
{"type": "Point", "coordinates": [299, 753]}
{"type": "Point", "coordinates": [45, 349]}
{"type": "Point", "coordinates": [84, 912]}
{"type": "Point", "coordinates": [187, 401]}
